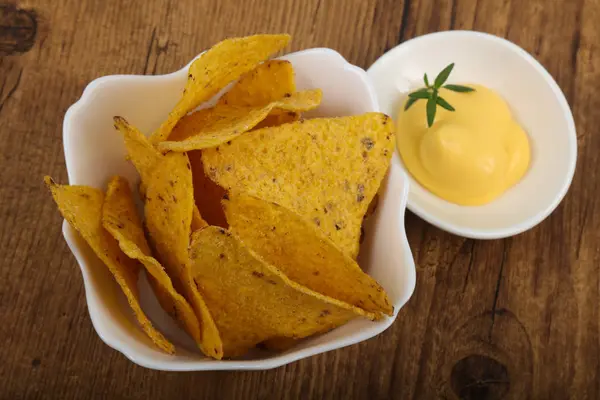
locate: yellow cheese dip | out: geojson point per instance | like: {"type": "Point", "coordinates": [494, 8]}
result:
{"type": "Point", "coordinates": [469, 156]}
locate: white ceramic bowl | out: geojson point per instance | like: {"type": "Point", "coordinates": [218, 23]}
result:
{"type": "Point", "coordinates": [535, 100]}
{"type": "Point", "coordinates": [94, 152]}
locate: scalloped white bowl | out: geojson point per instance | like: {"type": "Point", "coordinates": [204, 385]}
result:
{"type": "Point", "coordinates": [94, 152]}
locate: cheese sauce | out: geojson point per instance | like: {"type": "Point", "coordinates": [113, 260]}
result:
{"type": "Point", "coordinates": [470, 156]}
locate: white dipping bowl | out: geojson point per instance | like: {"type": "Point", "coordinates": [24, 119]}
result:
{"type": "Point", "coordinates": [536, 102]}
{"type": "Point", "coordinates": [94, 152]}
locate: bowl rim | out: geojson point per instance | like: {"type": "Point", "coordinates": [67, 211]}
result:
{"type": "Point", "coordinates": [571, 134]}
{"type": "Point", "coordinates": [74, 243]}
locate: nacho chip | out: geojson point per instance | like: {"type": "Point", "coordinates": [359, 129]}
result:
{"type": "Point", "coordinates": [168, 210]}
{"type": "Point", "coordinates": [303, 252]}
{"type": "Point", "coordinates": [270, 81]}
{"type": "Point", "coordinates": [327, 170]}
{"type": "Point", "coordinates": [252, 301]}
{"type": "Point", "coordinates": [207, 194]}
{"type": "Point", "coordinates": [81, 206]}
{"type": "Point", "coordinates": [193, 123]}
{"type": "Point", "coordinates": [145, 157]}
{"type": "Point", "coordinates": [141, 153]}
{"type": "Point", "coordinates": [215, 69]}
{"type": "Point", "coordinates": [120, 219]}
{"type": "Point", "coordinates": [214, 126]}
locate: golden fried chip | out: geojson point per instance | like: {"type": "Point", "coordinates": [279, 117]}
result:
{"type": "Point", "coordinates": [141, 153]}
{"type": "Point", "coordinates": [215, 69]}
{"type": "Point", "coordinates": [168, 210]}
{"type": "Point", "coordinates": [270, 81]}
{"type": "Point", "coordinates": [81, 206]}
{"type": "Point", "coordinates": [252, 301]}
{"type": "Point", "coordinates": [207, 194]}
{"type": "Point", "coordinates": [194, 122]}
{"type": "Point", "coordinates": [302, 252]}
{"type": "Point", "coordinates": [327, 170]}
{"type": "Point", "coordinates": [120, 219]}
{"type": "Point", "coordinates": [214, 126]}
{"type": "Point", "coordinates": [145, 157]}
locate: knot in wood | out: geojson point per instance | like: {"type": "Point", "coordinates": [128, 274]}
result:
{"type": "Point", "coordinates": [480, 377]}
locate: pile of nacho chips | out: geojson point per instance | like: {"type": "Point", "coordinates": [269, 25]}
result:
{"type": "Point", "coordinates": [252, 214]}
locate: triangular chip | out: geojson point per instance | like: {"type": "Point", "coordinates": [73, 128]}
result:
{"type": "Point", "coordinates": [325, 169]}
{"type": "Point", "coordinates": [270, 81]}
{"type": "Point", "coordinates": [252, 301]}
{"type": "Point", "coordinates": [194, 123]}
{"type": "Point", "coordinates": [141, 153]}
{"type": "Point", "coordinates": [303, 252]}
{"type": "Point", "coordinates": [168, 210]}
{"type": "Point", "coordinates": [214, 126]}
{"type": "Point", "coordinates": [120, 219]}
{"type": "Point", "coordinates": [145, 158]}
{"type": "Point", "coordinates": [81, 206]}
{"type": "Point", "coordinates": [215, 69]}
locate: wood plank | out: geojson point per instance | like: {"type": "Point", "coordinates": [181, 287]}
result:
{"type": "Point", "coordinates": [515, 318]}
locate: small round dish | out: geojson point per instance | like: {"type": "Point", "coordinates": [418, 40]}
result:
{"type": "Point", "coordinates": [536, 102]}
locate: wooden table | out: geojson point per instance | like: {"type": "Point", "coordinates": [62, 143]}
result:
{"type": "Point", "coordinates": [514, 318]}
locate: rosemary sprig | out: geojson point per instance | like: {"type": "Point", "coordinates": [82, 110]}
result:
{"type": "Point", "coordinates": [431, 93]}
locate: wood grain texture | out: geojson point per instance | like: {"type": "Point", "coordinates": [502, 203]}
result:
{"type": "Point", "coordinates": [515, 318]}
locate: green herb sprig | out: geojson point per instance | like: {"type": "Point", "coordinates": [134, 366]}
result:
{"type": "Point", "coordinates": [431, 93]}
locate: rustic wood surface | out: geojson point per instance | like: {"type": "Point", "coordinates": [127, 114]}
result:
{"type": "Point", "coordinates": [515, 318]}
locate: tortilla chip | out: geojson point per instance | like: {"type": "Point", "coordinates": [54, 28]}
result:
{"type": "Point", "coordinates": [214, 126]}
{"type": "Point", "coordinates": [145, 157]}
{"type": "Point", "coordinates": [303, 252]}
{"type": "Point", "coordinates": [207, 194]}
{"type": "Point", "coordinates": [215, 69]}
{"type": "Point", "coordinates": [81, 206]}
{"type": "Point", "coordinates": [327, 170]}
{"type": "Point", "coordinates": [252, 301]}
{"type": "Point", "coordinates": [194, 122]}
{"type": "Point", "coordinates": [168, 210]}
{"type": "Point", "coordinates": [141, 153]}
{"type": "Point", "coordinates": [270, 81]}
{"type": "Point", "coordinates": [120, 219]}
